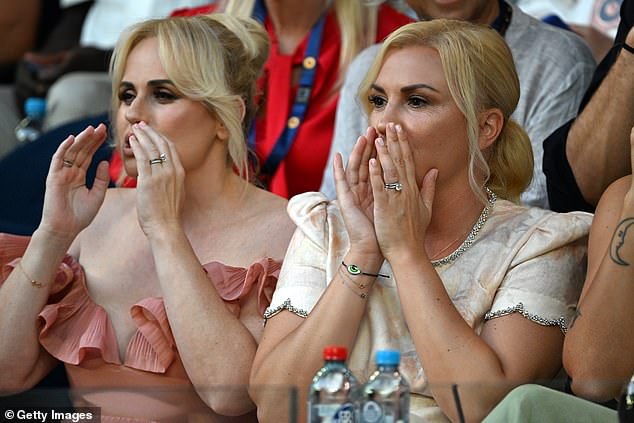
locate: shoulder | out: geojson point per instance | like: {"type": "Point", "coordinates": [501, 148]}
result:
{"type": "Point", "coordinates": [363, 60]}
{"type": "Point", "coordinates": [532, 231]}
{"type": "Point", "coordinates": [530, 37]}
{"type": "Point", "coordinates": [389, 20]}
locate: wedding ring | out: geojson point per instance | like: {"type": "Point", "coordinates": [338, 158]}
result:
{"type": "Point", "coordinates": [394, 185]}
{"type": "Point", "coordinates": [67, 163]}
{"type": "Point", "coordinates": [163, 157]}
{"type": "Point", "coordinates": [156, 161]}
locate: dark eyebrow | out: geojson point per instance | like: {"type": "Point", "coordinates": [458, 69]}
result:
{"type": "Point", "coordinates": [407, 88]}
{"type": "Point", "coordinates": [152, 83]}
{"type": "Point", "coordinates": [414, 87]}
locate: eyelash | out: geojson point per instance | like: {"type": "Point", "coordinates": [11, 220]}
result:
{"type": "Point", "coordinates": [376, 101]}
{"type": "Point", "coordinates": [161, 95]}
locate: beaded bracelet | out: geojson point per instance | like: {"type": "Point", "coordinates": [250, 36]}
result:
{"type": "Point", "coordinates": [352, 286]}
{"type": "Point", "coordinates": [355, 270]}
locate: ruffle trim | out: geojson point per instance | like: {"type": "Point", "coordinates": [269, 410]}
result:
{"type": "Point", "coordinates": [75, 327]}
{"type": "Point", "coordinates": [286, 305]}
{"type": "Point", "coordinates": [519, 308]}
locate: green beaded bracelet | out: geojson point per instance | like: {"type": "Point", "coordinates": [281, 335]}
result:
{"type": "Point", "coordinates": [355, 270]}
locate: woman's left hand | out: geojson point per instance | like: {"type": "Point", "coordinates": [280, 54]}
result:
{"type": "Point", "coordinates": [402, 211]}
{"type": "Point", "coordinates": [160, 182]}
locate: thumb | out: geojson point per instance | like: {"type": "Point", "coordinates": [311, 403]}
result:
{"type": "Point", "coordinates": [428, 190]}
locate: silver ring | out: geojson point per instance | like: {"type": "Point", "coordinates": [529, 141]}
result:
{"type": "Point", "coordinates": [397, 186]}
{"type": "Point", "coordinates": [163, 157]}
{"type": "Point", "coordinates": [67, 163]}
{"type": "Point", "coordinates": [156, 161]}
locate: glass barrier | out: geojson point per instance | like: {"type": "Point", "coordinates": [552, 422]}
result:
{"type": "Point", "coordinates": [544, 401]}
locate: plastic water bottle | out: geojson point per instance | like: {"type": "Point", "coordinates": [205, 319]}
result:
{"type": "Point", "coordinates": [30, 128]}
{"type": "Point", "coordinates": [626, 403]}
{"type": "Point", "coordinates": [386, 393]}
{"type": "Point", "coordinates": [334, 393]}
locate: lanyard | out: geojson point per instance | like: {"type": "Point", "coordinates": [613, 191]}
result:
{"type": "Point", "coordinates": [304, 90]}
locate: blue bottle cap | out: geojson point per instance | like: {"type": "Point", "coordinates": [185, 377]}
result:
{"type": "Point", "coordinates": [388, 357]}
{"type": "Point", "coordinates": [35, 107]}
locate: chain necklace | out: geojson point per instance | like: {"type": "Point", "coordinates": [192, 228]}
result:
{"type": "Point", "coordinates": [472, 235]}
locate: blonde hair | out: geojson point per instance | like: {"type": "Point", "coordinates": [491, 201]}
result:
{"type": "Point", "coordinates": [481, 75]}
{"type": "Point", "coordinates": [357, 21]}
{"type": "Point", "coordinates": [214, 59]}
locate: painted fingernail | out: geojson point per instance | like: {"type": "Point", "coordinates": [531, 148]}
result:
{"type": "Point", "coordinates": [373, 162]}
{"type": "Point", "coordinates": [380, 141]}
{"type": "Point", "coordinates": [399, 128]}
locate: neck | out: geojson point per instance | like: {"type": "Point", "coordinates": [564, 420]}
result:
{"type": "Point", "coordinates": [485, 13]}
{"type": "Point", "coordinates": [292, 20]}
{"type": "Point", "coordinates": [454, 214]}
{"type": "Point", "coordinates": [212, 194]}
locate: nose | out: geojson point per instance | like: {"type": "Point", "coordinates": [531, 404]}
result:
{"type": "Point", "coordinates": [134, 111]}
{"type": "Point", "coordinates": [382, 118]}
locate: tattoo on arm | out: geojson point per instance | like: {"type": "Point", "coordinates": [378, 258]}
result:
{"type": "Point", "coordinates": [574, 317]}
{"type": "Point", "coordinates": [618, 240]}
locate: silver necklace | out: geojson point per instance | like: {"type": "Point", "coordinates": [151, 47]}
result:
{"type": "Point", "coordinates": [472, 235]}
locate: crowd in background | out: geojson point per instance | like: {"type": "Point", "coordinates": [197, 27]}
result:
{"type": "Point", "coordinates": [312, 146]}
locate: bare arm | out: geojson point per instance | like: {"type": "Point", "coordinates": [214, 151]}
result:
{"type": "Point", "coordinates": [18, 26]}
{"type": "Point", "coordinates": [291, 349]}
{"type": "Point", "coordinates": [599, 347]}
{"type": "Point", "coordinates": [598, 146]}
{"type": "Point", "coordinates": [68, 208]}
{"type": "Point", "coordinates": [510, 350]}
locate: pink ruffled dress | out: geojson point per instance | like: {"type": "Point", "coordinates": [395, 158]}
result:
{"type": "Point", "coordinates": [150, 382]}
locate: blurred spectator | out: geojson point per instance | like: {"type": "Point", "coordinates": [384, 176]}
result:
{"type": "Point", "coordinates": [595, 20]}
{"type": "Point", "coordinates": [554, 68]}
{"type": "Point", "coordinates": [589, 152]}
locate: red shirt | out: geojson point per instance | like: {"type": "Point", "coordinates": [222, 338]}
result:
{"type": "Point", "coordinates": [303, 167]}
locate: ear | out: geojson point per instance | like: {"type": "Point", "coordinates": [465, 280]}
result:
{"type": "Point", "coordinates": [242, 108]}
{"type": "Point", "coordinates": [491, 122]}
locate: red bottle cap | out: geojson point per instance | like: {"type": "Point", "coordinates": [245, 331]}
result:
{"type": "Point", "coordinates": [335, 352]}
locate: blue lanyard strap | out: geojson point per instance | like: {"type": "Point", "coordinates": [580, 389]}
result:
{"type": "Point", "coordinates": [304, 90]}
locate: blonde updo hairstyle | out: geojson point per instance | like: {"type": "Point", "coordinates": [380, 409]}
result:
{"type": "Point", "coordinates": [481, 75]}
{"type": "Point", "coordinates": [214, 59]}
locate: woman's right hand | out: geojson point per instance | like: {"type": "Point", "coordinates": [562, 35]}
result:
{"type": "Point", "coordinates": [69, 206]}
{"type": "Point", "coordinates": [354, 193]}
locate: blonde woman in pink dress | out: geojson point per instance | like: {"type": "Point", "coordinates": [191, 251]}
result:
{"type": "Point", "coordinates": [158, 290]}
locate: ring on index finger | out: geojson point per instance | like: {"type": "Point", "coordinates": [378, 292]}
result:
{"type": "Point", "coordinates": [397, 186]}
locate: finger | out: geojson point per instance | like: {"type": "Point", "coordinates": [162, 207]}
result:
{"type": "Point", "coordinates": [390, 174]}
{"type": "Point", "coordinates": [146, 143]}
{"type": "Point", "coordinates": [368, 152]}
{"type": "Point", "coordinates": [57, 162]}
{"type": "Point", "coordinates": [341, 183]}
{"type": "Point", "coordinates": [141, 157]}
{"type": "Point", "coordinates": [354, 161]}
{"type": "Point", "coordinates": [164, 147]}
{"type": "Point", "coordinates": [394, 148]}
{"type": "Point", "coordinates": [428, 190]}
{"type": "Point", "coordinates": [74, 154]}
{"type": "Point", "coordinates": [89, 146]}
{"type": "Point", "coordinates": [407, 155]}
{"type": "Point", "coordinates": [101, 182]}
{"type": "Point", "coordinates": [376, 180]}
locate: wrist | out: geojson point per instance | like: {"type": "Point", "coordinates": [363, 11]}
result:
{"type": "Point", "coordinates": [53, 238]}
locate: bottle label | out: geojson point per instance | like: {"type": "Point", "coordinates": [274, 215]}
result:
{"type": "Point", "coordinates": [336, 413]}
{"type": "Point", "coordinates": [372, 412]}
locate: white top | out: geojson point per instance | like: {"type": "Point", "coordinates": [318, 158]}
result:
{"type": "Point", "coordinates": [106, 19]}
{"type": "Point", "coordinates": [554, 68]}
{"type": "Point", "coordinates": [525, 260]}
